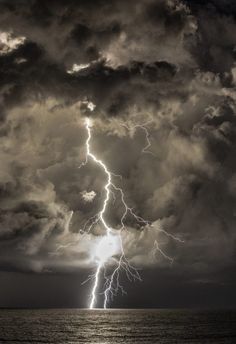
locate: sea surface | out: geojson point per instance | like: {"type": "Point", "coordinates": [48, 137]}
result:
{"type": "Point", "coordinates": [69, 326]}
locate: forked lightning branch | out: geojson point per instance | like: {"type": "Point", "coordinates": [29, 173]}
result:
{"type": "Point", "coordinates": [109, 256]}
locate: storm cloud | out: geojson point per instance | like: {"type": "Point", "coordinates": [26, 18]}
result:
{"type": "Point", "coordinates": [166, 64]}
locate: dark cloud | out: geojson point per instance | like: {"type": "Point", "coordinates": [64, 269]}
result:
{"type": "Point", "coordinates": [167, 64]}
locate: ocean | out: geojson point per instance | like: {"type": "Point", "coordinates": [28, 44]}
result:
{"type": "Point", "coordinates": [69, 326]}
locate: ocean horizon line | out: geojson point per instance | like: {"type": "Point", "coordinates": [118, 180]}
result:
{"type": "Point", "coordinates": [123, 308]}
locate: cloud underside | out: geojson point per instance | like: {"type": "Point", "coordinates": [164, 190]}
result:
{"type": "Point", "coordinates": [166, 64]}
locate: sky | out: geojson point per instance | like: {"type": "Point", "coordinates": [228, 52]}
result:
{"type": "Point", "coordinates": [157, 80]}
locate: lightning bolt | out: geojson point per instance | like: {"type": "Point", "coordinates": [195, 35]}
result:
{"type": "Point", "coordinates": [93, 299]}
{"type": "Point", "coordinates": [110, 250]}
{"type": "Point", "coordinates": [143, 127]}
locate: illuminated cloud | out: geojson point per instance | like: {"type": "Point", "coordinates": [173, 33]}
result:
{"type": "Point", "coordinates": [90, 105]}
{"type": "Point", "coordinates": [88, 196]}
{"type": "Point", "coordinates": [9, 42]}
{"type": "Point", "coordinates": [77, 68]}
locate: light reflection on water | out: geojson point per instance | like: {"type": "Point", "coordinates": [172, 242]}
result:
{"type": "Point", "coordinates": [69, 326]}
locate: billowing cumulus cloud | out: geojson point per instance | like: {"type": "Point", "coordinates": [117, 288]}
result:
{"type": "Point", "coordinates": [166, 67]}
